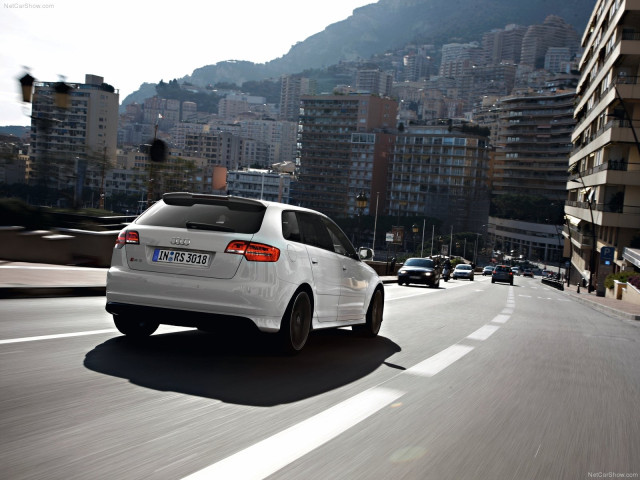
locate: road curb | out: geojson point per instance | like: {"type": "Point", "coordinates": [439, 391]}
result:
{"type": "Point", "coordinates": [604, 308]}
{"type": "Point", "coordinates": [50, 291]}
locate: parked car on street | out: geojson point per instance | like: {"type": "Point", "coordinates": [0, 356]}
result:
{"type": "Point", "coordinates": [419, 270]}
{"type": "Point", "coordinates": [205, 260]}
{"type": "Point", "coordinates": [515, 270]}
{"type": "Point", "coordinates": [502, 273]}
{"type": "Point", "coordinates": [488, 270]}
{"type": "Point", "coordinates": [463, 270]}
{"type": "Point", "coordinates": [527, 273]}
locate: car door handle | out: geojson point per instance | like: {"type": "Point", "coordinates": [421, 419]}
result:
{"type": "Point", "coordinates": [314, 261]}
{"type": "Point", "coordinates": [344, 269]}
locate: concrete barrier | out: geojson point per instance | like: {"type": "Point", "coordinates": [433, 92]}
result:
{"type": "Point", "coordinates": [58, 247]}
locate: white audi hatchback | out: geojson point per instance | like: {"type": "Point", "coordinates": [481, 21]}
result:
{"type": "Point", "coordinates": [204, 261]}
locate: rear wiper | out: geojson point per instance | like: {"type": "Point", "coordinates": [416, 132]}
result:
{"type": "Point", "coordinates": [208, 226]}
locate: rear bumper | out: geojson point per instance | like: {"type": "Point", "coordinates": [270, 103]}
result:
{"type": "Point", "coordinates": [189, 301]}
{"type": "Point", "coordinates": [180, 318]}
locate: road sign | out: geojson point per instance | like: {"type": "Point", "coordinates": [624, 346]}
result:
{"type": "Point", "coordinates": [606, 255]}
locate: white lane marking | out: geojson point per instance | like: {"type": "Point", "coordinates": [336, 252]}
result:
{"type": "Point", "coordinates": [438, 362]}
{"type": "Point", "coordinates": [405, 296]}
{"type": "Point", "coordinates": [507, 311]}
{"type": "Point", "coordinates": [163, 329]}
{"type": "Point", "coordinates": [270, 455]}
{"type": "Point", "coordinates": [483, 332]}
{"type": "Point", "coordinates": [501, 318]}
{"type": "Point", "coordinates": [60, 335]}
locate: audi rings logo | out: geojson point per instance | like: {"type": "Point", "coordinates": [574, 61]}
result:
{"type": "Point", "coordinates": [180, 241]}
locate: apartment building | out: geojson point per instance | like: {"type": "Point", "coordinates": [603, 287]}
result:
{"type": "Point", "coordinates": [440, 172]}
{"type": "Point", "coordinates": [374, 81]}
{"type": "Point", "coordinates": [553, 32]}
{"type": "Point", "coordinates": [603, 205]}
{"type": "Point", "coordinates": [261, 184]}
{"type": "Point", "coordinates": [67, 140]}
{"type": "Point", "coordinates": [534, 140]}
{"type": "Point", "coordinates": [336, 161]}
{"type": "Point", "coordinates": [292, 87]}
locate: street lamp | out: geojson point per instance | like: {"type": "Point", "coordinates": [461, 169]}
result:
{"type": "Point", "coordinates": [414, 229]}
{"type": "Point", "coordinates": [26, 83]}
{"type": "Point", "coordinates": [361, 204]}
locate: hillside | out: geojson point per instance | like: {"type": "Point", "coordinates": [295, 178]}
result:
{"type": "Point", "coordinates": [391, 24]}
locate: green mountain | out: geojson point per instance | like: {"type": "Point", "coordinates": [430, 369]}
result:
{"type": "Point", "coordinates": [391, 24]}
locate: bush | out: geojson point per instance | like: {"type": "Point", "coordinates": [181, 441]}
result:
{"type": "Point", "coordinates": [621, 277]}
{"type": "Point", "coordinates": [635, 281]}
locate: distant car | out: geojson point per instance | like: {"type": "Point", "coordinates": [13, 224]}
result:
{"type": "Point", "coordinates": [419, 270]}
{"type": "Point", "coordinates": [515, 270]}
{"type": "Point", "coordinates": [463, 270]}
{"type": "Point", "coordinates": [488, 270]}
{"type": "Point", "coordinates": [527, 273]}
{"type": "Point", "coordinates": [502, 273]}
{"type": "Point", "coordinates": [199, 261]}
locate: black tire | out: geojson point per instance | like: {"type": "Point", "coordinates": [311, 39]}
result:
{"type": "Point", "coordinates": [135, 327]}
{"type": "Point", "coordinates": [493, 281]}
{"type": "Point", "coordinates": [374, 316]}
{"type": "Point", "coordinates": [296, 324]}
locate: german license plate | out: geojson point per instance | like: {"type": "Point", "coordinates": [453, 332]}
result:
{"type": "Point", "coordinates": [180, 258]}
{"type": "Point", "coordinates": [414, 277]}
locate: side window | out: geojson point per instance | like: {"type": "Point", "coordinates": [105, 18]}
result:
{"type": "Point", "coordinates": [290, 227]}
{"type": "Point", "coordinates": [313, 231]}
{"type": "Point", "coordinates": [341, 243]}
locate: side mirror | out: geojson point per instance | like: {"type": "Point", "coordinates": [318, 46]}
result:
{"type": "Point", "coordinates": [365, 254]}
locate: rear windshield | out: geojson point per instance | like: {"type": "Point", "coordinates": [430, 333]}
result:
{"type": "Point", "coordinates": [231, 217]}
{"type": "Point", "coordinates": [419, 262]}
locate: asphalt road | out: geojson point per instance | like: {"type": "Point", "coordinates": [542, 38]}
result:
{"type": "Point", "coordinates": [469, 381]}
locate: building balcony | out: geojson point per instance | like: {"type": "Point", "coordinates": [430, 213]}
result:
{"type": "Point", "coordinates": [582, 240]}
{"type": "Point", "coordinates": [614, 172]}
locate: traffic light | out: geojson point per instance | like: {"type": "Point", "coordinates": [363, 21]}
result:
{"type": "Point", "coordinates": [158, 151]}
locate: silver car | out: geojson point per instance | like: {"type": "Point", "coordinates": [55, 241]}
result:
{"type": "Point", "coordinates": [204, 260]}
{"type": "Point", "coordinates": [463, 270]}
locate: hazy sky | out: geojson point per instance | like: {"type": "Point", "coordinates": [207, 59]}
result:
{"type": "Point", "coordinates": [136, 41]}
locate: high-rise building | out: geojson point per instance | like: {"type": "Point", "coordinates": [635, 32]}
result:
{"type": "Point", "coordinates": [503, 45]}
{"type": "Point", "coordinates": [603, 205]}
{"type": "Point", "coordinates": [440, 171]}
{"type": "Point", "coordinates": [533, 143]}
{"type": "Point", "coordinates": [534, 140]}
{"type": "Point", "coordinates": [292, 87]}
{"type": "Point", "coordinates": [344, 145]}
{"type": "Point", "coordinates": [66, 141]}
{"type": "Point", "coordinates": [374, 81]}
{"type": "Point", "coordinates": [554, 32]}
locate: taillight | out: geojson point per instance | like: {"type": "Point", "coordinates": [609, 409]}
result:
{"type": "Point", "coordinates": [254, 252]}
{"type": "Point", "coordinates": [127, 236]}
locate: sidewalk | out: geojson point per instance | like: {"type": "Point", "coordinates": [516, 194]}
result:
{"type": "Point", "coordinates": [606, 305]}
{"type": "Point", "coordinates": [21, 279]}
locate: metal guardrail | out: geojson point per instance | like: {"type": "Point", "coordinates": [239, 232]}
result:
{"type": "Point", "coordinates": [553, 283]}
